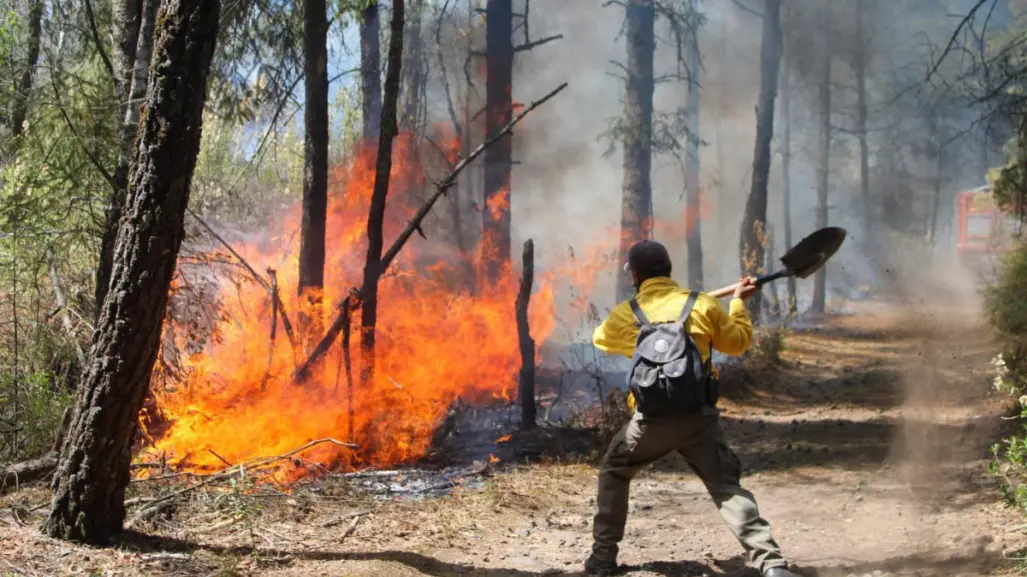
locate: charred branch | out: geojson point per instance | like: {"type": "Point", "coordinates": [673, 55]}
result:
{"type": "Point", "coordinates": [255, 276]}
{"type": "Point", "coordinates": [303, 371]}
{"type": "Point", "coordinates": [526, 379]}
{"type": "Point", "coordinates": [536, 43]}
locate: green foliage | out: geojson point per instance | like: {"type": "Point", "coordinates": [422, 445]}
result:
{"type": "Point", "coordinates": [1006, 302]}
{"type": "Point", "coordinates": [31, 407]}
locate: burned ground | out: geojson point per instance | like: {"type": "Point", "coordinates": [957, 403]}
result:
{"type": "Point", "coordinates": [866, 447]}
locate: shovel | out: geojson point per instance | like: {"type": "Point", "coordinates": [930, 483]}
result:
{"type": "Point", "coordinates": [801, 260]}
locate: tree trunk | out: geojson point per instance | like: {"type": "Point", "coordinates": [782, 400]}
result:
{"type": "Point", "coordinates": [127, 20]}
{"type": "Point", "coordinates": [414, 70]}
{"type": "Point", "coordinates": [722, 204]}
{"type": "Point", "coordinates": [135, 92]}
{"type": "Point", "coordinates": [693, 223]}
{"type": "Point", "coordinates": [861, 126]}
{"type": "Point", "coordinates": [21, 98]}
{"type": "Point", "coordinates": [823, 157]}
{"type": "Point", "coordinates": [636, 204]}
{"type": "Point", "coordinates": [315, 172]}
{"type": "Point", "coordinates": [526, 378]}
{"type": "Point", "coordinates": [370, 71]}
{"type": "Point", "coordinates": [754, 225]}
{"type": "Point", "coordinates": [93, 470]}
{"type": "Point", "coordinates": [376, 214]}
{"type": "Point", "coordinates": [498, 162]}
{"type": "Point", "coordinates": [932, 232]}
{"type": "Point", "coordinates": [786, 173]}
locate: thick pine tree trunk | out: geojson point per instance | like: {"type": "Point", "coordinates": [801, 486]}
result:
{"type": "Point", "coordinates": [754, 225]}
{"type": "Point", "coordinates": [93, 470]}
{"type": "Point", "coordinates": [692, 193]}
{"type": "Point", "coordinates": [140, 49]}
{"type": "Point", "coordinates": [20, 106]}
{"type": "Point", "coordinates": [499, 57]}
{"type": "Point", "coordinates": [636, 204]}
{"type": "Point", "coordinates": [376, 214]}
{"type": "Point", "coordinates": [370, 71]}
{"type": "Point", "coordinates": [786, 173]}
{"type": "Point", "coordinates": [823, 157]}
{"type": "Point", "coordinates": [315, 172]}
{"type": "Point", "coordinates": [127, 20]}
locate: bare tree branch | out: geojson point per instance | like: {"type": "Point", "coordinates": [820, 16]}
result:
{"type": "Point", "coordinates": [303, 372]}
{"type": "Point", "coordinates": [537, 43]}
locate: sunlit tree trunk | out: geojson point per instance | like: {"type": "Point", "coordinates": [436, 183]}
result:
{"type": "Point", "coordinates": [636, 204]}
{"type": "Point", "coordinates": [754, 225]}
{"type": "Point", "coordinates": [137, 55]}
{"type": "Point", "coordinates": [93, 469]}
{"type": "Point", "coordinates": [859, 67]}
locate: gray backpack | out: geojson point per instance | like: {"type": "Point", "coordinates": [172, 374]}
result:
{"type": "Point", "coordinates": [668, 375]}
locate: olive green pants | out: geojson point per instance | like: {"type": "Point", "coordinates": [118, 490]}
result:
{"type": "Point", "coordinates": [700, 440]}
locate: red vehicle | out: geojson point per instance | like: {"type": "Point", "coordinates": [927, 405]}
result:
{"type": "Point", "coordinates": [985, 231]}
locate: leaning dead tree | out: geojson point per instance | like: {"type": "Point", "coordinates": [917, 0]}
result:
{"type": "Point", "coordinates": [89, 486]}
{"type": "Point", "coordinates": [356, 295]}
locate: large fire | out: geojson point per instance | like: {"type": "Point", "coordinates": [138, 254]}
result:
{"type": "Point", "coordinates": [437, 340]}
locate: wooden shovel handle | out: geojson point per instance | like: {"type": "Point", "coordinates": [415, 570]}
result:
{"type": "Point", "coordinates": [725, 291]}
{"type": "Point", "coordinates": [758, 281]}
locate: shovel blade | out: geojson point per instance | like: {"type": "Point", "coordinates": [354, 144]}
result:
{"type": "Point", "coordinates": [806, 257]}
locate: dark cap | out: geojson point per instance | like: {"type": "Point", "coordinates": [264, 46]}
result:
{"type": "Point", "coordinates": [648, 259]}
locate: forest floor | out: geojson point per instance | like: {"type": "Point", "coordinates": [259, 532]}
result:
{"type": "Point", "coordinates": [867, 449]}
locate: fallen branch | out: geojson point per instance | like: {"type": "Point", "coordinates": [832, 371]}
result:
{"type": "Point", "coordinates": [16, 475]}
{"type": "Point", "coordinates": [158, 503]}
{"type": "Point", "coordinates": [253, 273]}
{"type": "Point", "coordinates": [303, 372]}
{"type": "Point", "coordinates": [338, 520]}
{"type": "Point", "coordinates": [274, 326]}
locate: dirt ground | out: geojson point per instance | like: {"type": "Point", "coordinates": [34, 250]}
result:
{"type": "Point", "coordinates": [867, 450]}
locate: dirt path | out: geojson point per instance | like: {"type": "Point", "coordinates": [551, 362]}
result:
{"type": "Point", "coordinates": [867, 451]}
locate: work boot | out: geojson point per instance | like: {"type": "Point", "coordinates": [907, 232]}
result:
{"type": "Point", "coordinates": [779, 572]}
{"type": "Point", "coordinates": [596, 566]}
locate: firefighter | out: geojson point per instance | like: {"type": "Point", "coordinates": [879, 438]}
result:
{"type": "Point", "coordinates": [698, 437]}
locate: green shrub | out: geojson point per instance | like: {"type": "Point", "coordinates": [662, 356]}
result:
{"type": "Point", "coordinates": [31, 408]}
{"type": "Point", "coordinates": [1006, 306]}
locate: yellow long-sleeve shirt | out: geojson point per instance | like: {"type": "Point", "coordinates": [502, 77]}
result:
{"type": "Point", "coordinates": [662, 299]}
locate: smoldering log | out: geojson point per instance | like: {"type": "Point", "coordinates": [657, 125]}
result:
{"type": "Point", "coordinates": [526, 380]}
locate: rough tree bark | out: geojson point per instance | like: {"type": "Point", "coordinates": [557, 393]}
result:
{"type": "Point", "coordinates": [754, 225]}
{"type": "Point", "coordinates": [499, 56]}
{"type": "Point", "coordinates": [19, 110]}
{"type": "Point", "coordinates": [376, 214]}
{"type": "Point", "coordinates": [823, 152]}
{"type": "Point", "coordinates": [370, 71]}
{"type": "Point", "coordinates": [692, 198]}
{"type": "Point", "coordinates": [315, 172]}
{"type": "Point", "coordinates": [526, 378]}
{"type": "Point", "coordinates": [93, 471]}
{"type": "Point", "coordinates": [786, 172]}
{"type": "Point", "coordinates": [636, 203]}
{"type": "Point", "coordinates": [127, 20]}
{"type": "Point", "coordinates": [859, 68]}
{"type": "Point", "coordinates": [132, 70]}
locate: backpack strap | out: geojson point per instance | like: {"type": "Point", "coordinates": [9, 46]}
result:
{"type": "Point", "coordinates": [686, 312]}
{"type": "Point", "coordinates": [644, 320]}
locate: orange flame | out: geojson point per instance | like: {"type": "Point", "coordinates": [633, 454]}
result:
{"type": "Point", "coordinates": [434, 344]}
{"type": "Point", "coordinates": [493, 459]}
{"type": "Point", "coordinates": [503, 439]}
